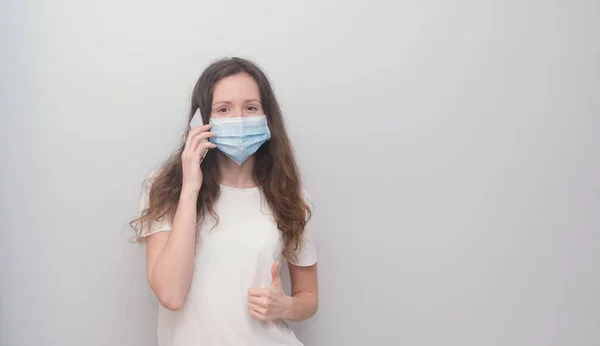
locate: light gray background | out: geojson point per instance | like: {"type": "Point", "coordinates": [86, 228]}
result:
{"type": "Point", "coordinates": [451, 149]}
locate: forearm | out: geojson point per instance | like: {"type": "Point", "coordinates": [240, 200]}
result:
{"type": "Point", "coordinates": [172, 272]}
{"type": "Point", "coordinates": [303, 305]}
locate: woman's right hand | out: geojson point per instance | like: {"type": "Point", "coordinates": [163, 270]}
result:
{"type": "Point", "coordinates": [196, 145]}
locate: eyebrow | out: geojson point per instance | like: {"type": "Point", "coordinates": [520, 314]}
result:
{"type": "Point", "coordinates": [229, 102]}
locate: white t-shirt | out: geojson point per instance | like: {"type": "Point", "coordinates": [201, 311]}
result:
{"type": "Point", "coordinates": [231, 257]}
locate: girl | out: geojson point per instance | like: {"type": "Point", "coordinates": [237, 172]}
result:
{"type": "Point", "coordinates": [222, 213]}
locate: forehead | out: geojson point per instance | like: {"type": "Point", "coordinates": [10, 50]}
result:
{"type": "Point", "coordinates": [239, 86]}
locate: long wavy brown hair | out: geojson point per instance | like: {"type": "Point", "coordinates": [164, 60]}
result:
{"type": "Point", "coordinates": [275, 169]}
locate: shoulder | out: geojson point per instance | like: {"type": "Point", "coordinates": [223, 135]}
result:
{"type": "Point", "coordinates": [149, 179]}
{"type": "Point", "coordinates": [308, 200]}
{"type": "Point", "coordinates": [151, 176]}
{"type": "Point", "coordinates": [306, 196]}
{"type": "Point", "coordinates": [146, 186]}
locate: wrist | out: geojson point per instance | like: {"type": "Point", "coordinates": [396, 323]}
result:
{"type": "Point", "coordinates": [189, 192]}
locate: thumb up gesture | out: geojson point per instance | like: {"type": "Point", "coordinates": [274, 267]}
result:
{"type": "Point", "coordinates": [267, 304]}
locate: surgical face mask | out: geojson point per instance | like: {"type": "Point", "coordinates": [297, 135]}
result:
{"type": "Point", "coordinates": [240, 137]}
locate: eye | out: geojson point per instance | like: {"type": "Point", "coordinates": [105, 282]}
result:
{"type": "Point", "coordinates": [222, 110]}
{"type": "Point", "coordinates": [251, 108]}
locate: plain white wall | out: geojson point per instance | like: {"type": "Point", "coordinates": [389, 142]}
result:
{"type": "Point", "coordinates": [451, 149]}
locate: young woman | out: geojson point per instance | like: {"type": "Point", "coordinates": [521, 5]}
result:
{"type": "Point", "coordinates": [220, 216]}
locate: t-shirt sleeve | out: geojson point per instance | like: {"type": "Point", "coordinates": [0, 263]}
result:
{"type": "Point", "coordinates": [307, 255]}
{"type": "Point", "coordinates": [156, 225]}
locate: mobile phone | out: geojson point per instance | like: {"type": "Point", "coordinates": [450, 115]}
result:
{"type": "Point", "coordinates": [197, 121]}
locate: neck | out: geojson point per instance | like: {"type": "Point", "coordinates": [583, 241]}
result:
{"type": "Point", "coordinates": [234, 175]}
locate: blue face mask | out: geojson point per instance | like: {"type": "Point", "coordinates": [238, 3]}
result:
{"type": "Point", "coordinates": [239, 137]}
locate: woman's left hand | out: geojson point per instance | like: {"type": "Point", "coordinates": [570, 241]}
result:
{"type": "Point", "coordinates": [267, 304]}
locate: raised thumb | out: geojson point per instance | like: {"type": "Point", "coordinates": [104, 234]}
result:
{"type": "Point", "coordinates": [275, 279]}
